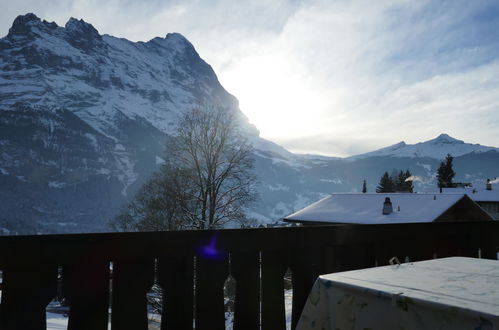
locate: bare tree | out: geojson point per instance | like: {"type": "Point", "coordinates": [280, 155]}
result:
{"type": "Point", "coordinates": [209, 144]}
{"type": "Point", "coordinates": [207, 179]}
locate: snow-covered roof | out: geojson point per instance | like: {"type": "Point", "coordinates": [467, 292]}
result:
{"type": "Point", "coordinates": [367, 208]}
{"type": "Point", "coordinates": [477, 194]}
{"type": "Point", "coordinates": [485, 195]}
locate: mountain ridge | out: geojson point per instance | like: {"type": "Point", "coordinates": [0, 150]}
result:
{"type": "Point", "coordinates": [436, 148]}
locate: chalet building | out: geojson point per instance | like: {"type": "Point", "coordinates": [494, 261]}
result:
{"type": "Point", "coordinates": [390, 208]}
{"type": "Point", "coordinates": [487, 196]}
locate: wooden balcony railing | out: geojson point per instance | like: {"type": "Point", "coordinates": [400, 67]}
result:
{"type": "Point", "coordinates": [256, 258]}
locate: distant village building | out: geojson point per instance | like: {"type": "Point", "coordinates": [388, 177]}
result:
{"type": "Point", "coordinates": [385, 208]}
{"type": "Point", "coordinates": [486, 196]}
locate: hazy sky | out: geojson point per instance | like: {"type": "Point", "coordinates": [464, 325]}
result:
{"type": "Point", "coordinates": [335, 77]}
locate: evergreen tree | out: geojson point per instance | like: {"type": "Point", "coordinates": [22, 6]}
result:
{"type": "Point", "coordinates": [408, 183]}
{"type": "Point", "coordinates": [395, 182]}
{"type": "Point", "coordinates": [385, 184]}
{"type": "Point", "coordinates": [402, 184]}
{"type": "Point", "coordinates": [364, 187]}
{"type": "Point", "coordinates": [445, 173]}
{"type": "Point", "coordinates": [394, 176]}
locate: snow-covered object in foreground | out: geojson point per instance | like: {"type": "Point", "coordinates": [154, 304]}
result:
{"type": "Point", "coordinates": [406, 208]}
{"type": "Point", "coordinates": [437, 148]}
{"type": "Point", "coordinates": [450, 293]}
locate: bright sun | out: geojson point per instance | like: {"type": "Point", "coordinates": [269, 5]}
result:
{"type": "Point", "coordinates": [274, 96]}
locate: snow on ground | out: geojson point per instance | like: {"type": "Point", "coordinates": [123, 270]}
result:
{"type": "Point", "coordinates": [427, 167]}
{"type": "Point", "coordinates": [60, 322]}
{"type": "Point", "coordinates": [56, 184]}
{"type": "Point", "coordinates": [57, 315]}
{"type": "Point", "coordinates": [126, 166]}
{"type": "Point", "coordinates": [56, 321]}
{"type": "Point", "coordinates": [277, 187]}
{"type": "Point", "coordinates": [288, 299]}
{"type": "Point", "coordinates": [159, 160]}
{"type": "Point", "coordinates": [335, 181]}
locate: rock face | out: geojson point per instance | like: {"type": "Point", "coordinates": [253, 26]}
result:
{"type": "Point", "coordinates": [84, 118]}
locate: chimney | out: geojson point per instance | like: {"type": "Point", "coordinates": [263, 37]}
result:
{"type": "Point", "coordinates": [387, 206]}
{"type": "Point", "coordinates": [489, 185]}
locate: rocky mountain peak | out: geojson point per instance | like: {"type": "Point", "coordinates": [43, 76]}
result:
{"type": "Point", "coordinates": [23, 21]}
{"type": "Point", "coordinates": [175, 43]}
{"type": "Point", "coordinates": [399, 145]}
{"type": "Point", "coordinates": [178, 39]}
{"type": "Point", "coordinates": [81, 34]}
{"type": "Point", "coordinates": [445, 138]}
{"type": "Point", "coordinates": [23, 24]}
{"type": "Point", "coordinates": [79, 26]}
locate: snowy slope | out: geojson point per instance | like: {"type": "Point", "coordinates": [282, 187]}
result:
{"type": "Point", "coordinates": [436, 148]}
{"type": "Point", "coordinates": [97, 76]}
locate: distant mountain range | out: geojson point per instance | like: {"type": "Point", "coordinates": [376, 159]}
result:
{"type": "Point", "coordinates": [299, 180]}
{"type": "Point", "coordinates": [437, 148]}
{"type": "Point", "coordinates": [84, 118]}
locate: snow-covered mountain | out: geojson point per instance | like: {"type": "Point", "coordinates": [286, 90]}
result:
{"type": "Point", "coordinates": [436, 148]}
{"type": "Point", "coordinates": [102, 77]}
{"type": "Point", "coordinates": [84, 118]}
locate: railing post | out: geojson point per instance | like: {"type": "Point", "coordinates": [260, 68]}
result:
{"type": "Point", "coordinates": [304, 266]}
{"type": "Point", "coordinates": [131, 280]}
{"type": "Point", "coordinates": [274, 264]}
{"type": "Point", "coordinates": [210, 279]}
{"type": "Point", "coordinates": [175, 276]}
{"type": "Point", "coordinates": [246, 270]}
{"type": "Point", "coordinates": [27, 289]}
{"type": "Point", "coordinates": [86, 287]}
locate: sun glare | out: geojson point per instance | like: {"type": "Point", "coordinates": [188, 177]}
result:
{"type": "Point", "coordinates": [274, 95]}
